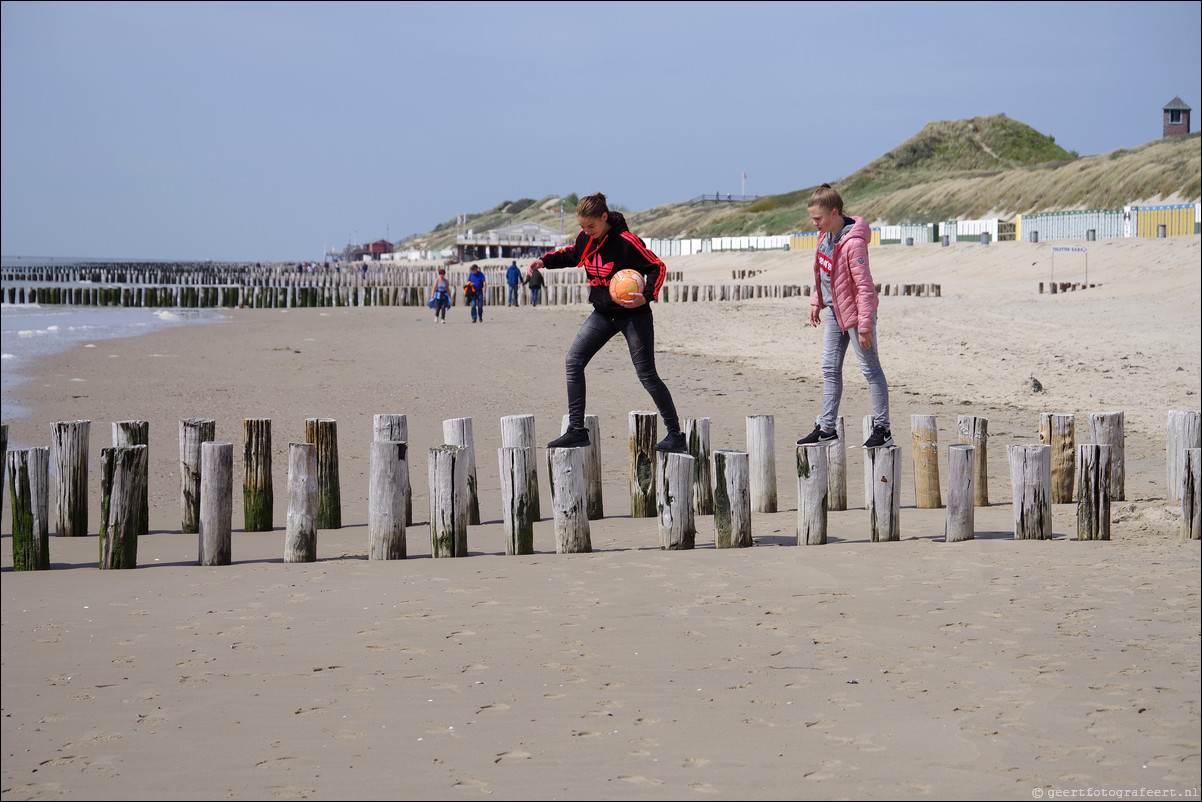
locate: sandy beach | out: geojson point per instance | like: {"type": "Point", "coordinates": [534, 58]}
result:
{"type": "Point", "coordinates": [987, 669]}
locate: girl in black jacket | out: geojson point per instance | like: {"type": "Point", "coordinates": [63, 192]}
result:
{"type": "Point", "coordinates": [603, 247]}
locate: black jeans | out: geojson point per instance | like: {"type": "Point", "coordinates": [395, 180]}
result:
{"type": "Point", "coordinates": [639, 331]}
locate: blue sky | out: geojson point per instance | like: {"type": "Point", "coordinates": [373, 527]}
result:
{"type": "Point", "coordinates": [271, 131]}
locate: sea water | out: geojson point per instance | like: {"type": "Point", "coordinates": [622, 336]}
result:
{"type": "Point", "coordinates": [29, 332]}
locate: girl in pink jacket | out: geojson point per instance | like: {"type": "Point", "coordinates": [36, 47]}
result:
{"type": "Point", "coordinates": [843, 283]}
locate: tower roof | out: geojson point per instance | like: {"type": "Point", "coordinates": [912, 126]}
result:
{"type": "Point", "coordinates": [1176, 104]}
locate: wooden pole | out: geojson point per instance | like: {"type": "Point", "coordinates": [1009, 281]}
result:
{"type": "Point", "coordinates": [1106, 428]}
{"type": "Point", "coordinates": [4, 449]}
{"type": "Point", "coordinates": [593, 491]}
{"type": "Point", "coordinates": [1191, 495]}
{"type": "Point", "coordinates": [674, 500]}
{"type": "Point", "coordinates": [70, 451]}
{"type": "Point", "coordinates": [29, 484]}
{"type": "Point", "coordinates": [1184, 433]}
{"type": "Point", "coordinates": [1093, 491]}
{"type": "Point", "coordinates": [836, 475]}
{"type": "Point", "coordinates": [137, 433]}
{"type": "Point", "coordinates": [258, 495]}
{"type": "Point", "coordinates": [216, 503]}
{"type": "Point", "coordinates": [974, 431]}
{"type": "Point", "coordinates": [323, 433]}
{"type": "Point", "coordinates": [732, 499]}
{"type": "Point", "coordinates": [517, 431]}
{"type": "Point", "coordinates": [300, 535]}
{"type": "Point", "coordinates": [884, 513]}
{"type": "Point", "coordinates": [868, 423]}
{"type": "Point", "coordinates": [519, 484]}
{"type": "Point", "coordinates": [925, 440]}
{"type": "Point", "coordinates": [394, 428]}
{"type": "Point", "coordinates": [192, 433]}
{"type": "Point", "coordinates": [813, 477]}
{"type": "Point", "coordinates": [123, 490]}
{"type": "Point", "coordinates": [386, 501]}
{"type": "Point", "coordinates": [1031, 486]}
{"type": "Point", "coordinates": [642, 464]}
{"type": "Point", "coordinates": [1056, 429]}
{"type": "Point", "coordinates": [761, 455]}
{"type": "Point", "coordinates": [458, 431]}
{"type": "Point", "coordinates": [566, 466]}
{"type": "Point", "coordinates": [697, 432]}
{"type": "Point", "coordinates": [961, 513]}
{"type": "Point", "coordinates": [447, 468]}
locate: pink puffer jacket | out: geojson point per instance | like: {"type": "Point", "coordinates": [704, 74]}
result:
{"type": "Point", "coordinates": [852, 290]}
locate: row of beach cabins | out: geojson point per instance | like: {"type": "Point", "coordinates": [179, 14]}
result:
{"type": "Point", "coordinates": [729, 485]}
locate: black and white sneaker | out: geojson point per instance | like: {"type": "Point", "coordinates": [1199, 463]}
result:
{"type": "Point", "coordinates": [818, 436]}
{"type": "Point", "coordinates": [674, 443]}
{"type": "Point", "coordinates": [880, 437]}
{"type": "Point", "coordinates": [572, 438]}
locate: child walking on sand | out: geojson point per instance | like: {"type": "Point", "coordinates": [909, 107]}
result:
{"type": "Point", "coordinates": [843, 283]}
{"type": "Point", "coordinates": [603, 247]}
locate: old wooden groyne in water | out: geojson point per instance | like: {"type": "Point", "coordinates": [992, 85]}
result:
{"type": "Point", "coordinates": [277, 286]}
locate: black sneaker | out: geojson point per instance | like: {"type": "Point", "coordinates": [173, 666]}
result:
{"type": "Point", "coordinates": [818, 436]}
{"type": "Point", "coordinates": [572, 438]}
{"type": "Point", "coordinates": [880, 437]}
{"type": "Point", "coordinates": [674, 442]}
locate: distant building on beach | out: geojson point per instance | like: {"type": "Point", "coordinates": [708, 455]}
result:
{"type": "Point", "coordinates": [1176, 118]}
{"type": "Point", "coordinates": [518, 241]}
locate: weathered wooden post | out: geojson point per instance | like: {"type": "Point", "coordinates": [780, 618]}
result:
{"type": "Point", "coordinates": [974, 431]}
{"type": "Point", "coordinates": [836, 473]}
{"type": "Point", "coordinates": [1031, 486]}
{"type": "Point", "coordinates": [394, 428]}
{"type": "Point", "coordinates": [594, 501]}
{"type": "Point", "coordinates": [566, 466]}
{"type": "Point", "coordinates": [517, 431]}
{"type": "Point", "coordinates": [868, 424]}
{"type": "Point", "coordinates": [300, 536]}
{"type": "Point", "coordinates": [386, 500]}
{"type": "Point", "coordinates": [70, 452]}
{"type": "Point", "coordinates": [122, 489]}
{"type": "Point", "coordinates": [519, 484]}
{"type": "Point", "coordinates": [925, 438]}
{"type": "Point", "coordinates": [258, 494]}
{"type": "Point", "coordinates": [1184, 432]}
{"type": "Point", "coordinates": [1056, 429]}
{"type": "Point", "coordinates": [642, 464]}
{"type": "Point", "coordinates": [192, 433]}
{"type": "Point", "coordinates": [323, 433]}
{"type": "Point", "coordinates": [1093, 491]}
{"type": "Point", "coordinates": [4, 449]}
{"type": "Point", "coordinates": [1191, 495]}
{"type": "Point", "coordinates": [697, 432]}
{"type": "Point", "coordinates": [448, 471]}
{"type": "Point", "coordinates": [137, 433]}
{"type": "Point", "coordinates": [216, 503]}
{"type": "Point", "coordinates": [732, 499]}
{"type": "Point", "coordinates": [674, 499]}
{"type": "Point", "coordinates": [1106, 428]}
{"type": "Point", "coordinates": [813, 477]}
{"type": "Point", "coordinates": [29, 485]}
{"type": "Point", "coordinates": [458, 432]}
{"type": "Point", "coordinates": [961, 514]}
{"type": "Point", "coordinates": [761, 456]}
{"type": "Point", "coordinates": [884, 513]}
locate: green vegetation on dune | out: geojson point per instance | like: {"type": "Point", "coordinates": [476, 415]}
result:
{"type": "Point", "coordinates": [961, 169]}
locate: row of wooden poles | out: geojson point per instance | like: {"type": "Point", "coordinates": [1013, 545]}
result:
{"type": "Point", "coordinates": [1066, 286]}
{"type": "Point", "coordinates": [727, 484]}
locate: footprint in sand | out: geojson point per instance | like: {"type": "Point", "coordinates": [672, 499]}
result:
{"type": "Point", "coordinates": [639, 779]}
{"type": "Point", "coordinates": [515, 755]}
{"type": "Point", "coordinates": [472, 785]}
{"type": "Point", "coordinates": [693, 763]}
{"type": "Point", "coordinates": [703, 788]}
{"type": "Point", "coordinates": [642, 721]}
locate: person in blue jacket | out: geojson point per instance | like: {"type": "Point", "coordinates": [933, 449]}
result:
{"type": "Point", "coordinates": [476, 277]}
{"type": "Point", "coordinates": [513, 277]}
